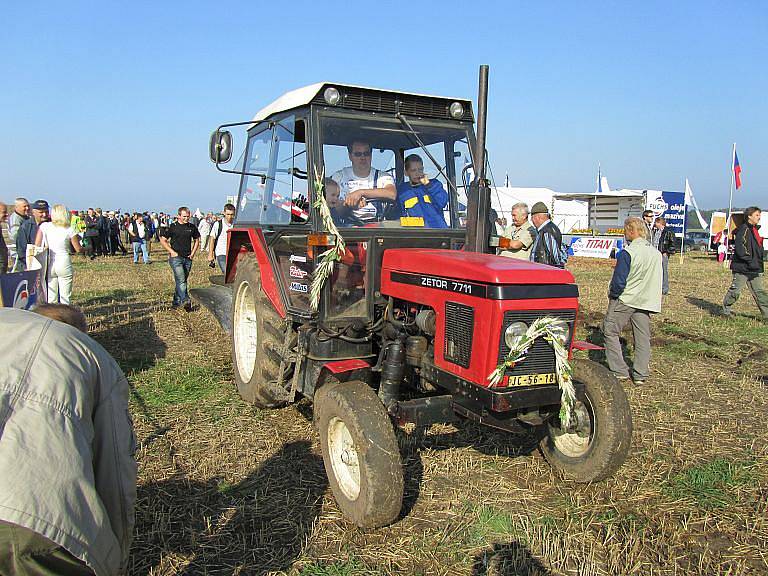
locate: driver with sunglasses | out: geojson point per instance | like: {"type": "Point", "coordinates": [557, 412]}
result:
{"type": "Point", "coordinates": [363, 188]}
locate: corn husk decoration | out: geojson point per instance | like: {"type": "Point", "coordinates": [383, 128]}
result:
{"type": "Point", "coordinates": [332, 255]}
{"type": "Point", "coordinates": [544, 327]}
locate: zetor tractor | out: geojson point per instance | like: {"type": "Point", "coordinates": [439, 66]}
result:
{"type": "Point", "coordinates": [412, 319]}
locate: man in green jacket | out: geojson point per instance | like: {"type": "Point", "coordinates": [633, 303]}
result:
{"type": "Point", "coordinates": [67, 466]}
{"type": "Point", "coordinates": [634, 294]}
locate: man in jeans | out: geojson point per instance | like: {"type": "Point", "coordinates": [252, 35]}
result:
{"type": "Point", "coordinates": [664, 242]}
{"type": "Point", "coordinates": [633, 295]}
{"type": "Point", "coordinates": [181, 239]}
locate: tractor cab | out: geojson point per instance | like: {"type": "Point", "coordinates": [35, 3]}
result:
{"type": "Point", "coordinates": [353, 138]}
{"type": "Point", "coordinates": [413, 319]}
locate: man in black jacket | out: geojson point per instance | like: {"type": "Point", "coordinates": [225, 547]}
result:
{"type": "Point", "coordinates": [665, 243]}
{"type": "Point", "coordinates": [747, 263]}
{"type": "Point", "coordinates": [91, 233]}
{"type": "Point", "coordinates": [547, 245]}
{"type": "Point", "coordinates": [28, 230]}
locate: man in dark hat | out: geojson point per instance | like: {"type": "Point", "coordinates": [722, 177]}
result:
{"type": "Point", "coordinates": [547, 246]}
{"type": "Point", "coordinates": [28, 230]}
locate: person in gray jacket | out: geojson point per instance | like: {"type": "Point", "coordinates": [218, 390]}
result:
{"type": "Point", "coordinates": [67, 465]}
{"type": "Point", "coordinates": [633, 295]}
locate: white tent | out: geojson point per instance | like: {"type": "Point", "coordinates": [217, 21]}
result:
{"type": "Point", "coordinates": [567, 213]}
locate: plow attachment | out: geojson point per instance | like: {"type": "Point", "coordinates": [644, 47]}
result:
{"type": "Point", "coordinates": [218, 300]}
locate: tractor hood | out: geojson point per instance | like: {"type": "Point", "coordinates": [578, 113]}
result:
{"type": "Point", "coordinates": [472, 267]}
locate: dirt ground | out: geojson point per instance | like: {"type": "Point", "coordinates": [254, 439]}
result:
{"type": "Point", "coordinates": [225, 488]}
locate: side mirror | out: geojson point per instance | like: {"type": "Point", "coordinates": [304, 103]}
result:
{"type": "Point", "coordinates": [220, 148]}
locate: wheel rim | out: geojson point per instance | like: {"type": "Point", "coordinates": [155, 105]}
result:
{"type": "Point", "coordinates": [246, 332]}
{"type": "Point", "coordinates": [344, 461]}
{"type": "Point", "coordinates": [576, 444]}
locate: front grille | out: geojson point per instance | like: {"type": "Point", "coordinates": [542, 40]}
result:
{"type": "Point", "coordinates": [459, 325]}
{"type": "Point", "coordinates": [540, 358]}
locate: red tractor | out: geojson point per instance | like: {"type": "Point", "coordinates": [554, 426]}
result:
{"type": "Point", "coordinates": [416, 313]}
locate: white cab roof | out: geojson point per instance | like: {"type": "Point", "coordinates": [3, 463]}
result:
{"type": "Point", "coordinates": [303, 96]}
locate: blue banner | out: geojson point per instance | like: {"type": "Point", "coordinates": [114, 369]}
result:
{"type": "Point", "coordinates": [20, 289]}
{"type": "Point", "coordinates": [670, 205]}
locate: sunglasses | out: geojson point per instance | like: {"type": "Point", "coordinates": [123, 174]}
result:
{"type": "Point", "coordinates": [360, 154]}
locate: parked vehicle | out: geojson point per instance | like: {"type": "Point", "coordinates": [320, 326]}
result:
{"type": "Point", "coordinates": [697, 241]}
{"type": "Point", "coordinates": [413, 319]}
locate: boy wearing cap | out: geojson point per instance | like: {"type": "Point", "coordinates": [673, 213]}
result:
{"type": "Point", "coordinates": [28, 231]}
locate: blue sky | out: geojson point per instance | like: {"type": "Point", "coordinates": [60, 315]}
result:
{"type": "Point", "coordinates": [112, 104]}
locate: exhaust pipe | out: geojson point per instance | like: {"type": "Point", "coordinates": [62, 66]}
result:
{"type": "Point", "coordinates": [479, 196]}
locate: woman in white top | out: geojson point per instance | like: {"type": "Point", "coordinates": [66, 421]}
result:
{"type": "Point", "coordinates": [57, 236]}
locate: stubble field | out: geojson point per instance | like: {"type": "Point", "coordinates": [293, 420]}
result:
{"type": "Point", "coordinates": [225, 488]}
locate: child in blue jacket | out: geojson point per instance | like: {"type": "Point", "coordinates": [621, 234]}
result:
{"type": "Point", "coordinates": [421, 197]}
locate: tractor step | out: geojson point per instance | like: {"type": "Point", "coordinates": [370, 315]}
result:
{"type": "Point", "coordinates": [218, 300]}
{"type": "Point", "coordinates": [426, 411]}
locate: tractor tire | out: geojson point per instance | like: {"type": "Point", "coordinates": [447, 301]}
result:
{"type": "Point", "coordinates": [360, 453]}
{"type": "Point", "coordinates": [258, 334]}
{"type": "Point", "coordinates": [599, 449]}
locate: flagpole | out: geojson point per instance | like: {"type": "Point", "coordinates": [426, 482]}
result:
{"type": "Point", "coordinates": [730, 206]}
{"type": "Point", "coordinates": [685, 220]}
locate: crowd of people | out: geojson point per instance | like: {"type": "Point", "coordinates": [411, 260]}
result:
{"type": "Point", "coordinates": [641, 276]}
{"type": "Point", "coordinates": [28, 228]}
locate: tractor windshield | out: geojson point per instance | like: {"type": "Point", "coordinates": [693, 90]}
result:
{"type": "Point", "coordinates": [387, 173]}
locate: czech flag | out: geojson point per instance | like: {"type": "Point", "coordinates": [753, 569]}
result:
{"type": "Point", "coordinates": [736, 170]}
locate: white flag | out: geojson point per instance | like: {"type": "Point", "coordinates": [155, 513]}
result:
{"type": "Point", "coordinates": [691, 201]}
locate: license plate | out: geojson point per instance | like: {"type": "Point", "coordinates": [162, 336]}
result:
{"type": "Point", "coordinates": [532, 379]}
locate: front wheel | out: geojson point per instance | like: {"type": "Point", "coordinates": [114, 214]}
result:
{"type": "Point", "coordinates": [360, 453]}
{"type": "Point", "coordinates": [600, 444]}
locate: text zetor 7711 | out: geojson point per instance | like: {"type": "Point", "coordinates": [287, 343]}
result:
{"type": "Point", "coordinates": [417, 312]}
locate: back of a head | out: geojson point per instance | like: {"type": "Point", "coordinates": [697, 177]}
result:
{"type": "Point", "coordinates": [64, 313]}
{"type": "Point", "coordinates": [635, 226]}
{"type": "Point", "coordinates": [60, 216]}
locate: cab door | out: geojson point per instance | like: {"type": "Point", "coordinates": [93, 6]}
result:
{"type": "Point", "coordinates": [285, 214]}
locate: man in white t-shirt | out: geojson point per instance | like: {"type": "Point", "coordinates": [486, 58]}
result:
{"type": "Point", "coordinates": [364, 188]}
{"type": "Point", "coordinates": [217, 243]}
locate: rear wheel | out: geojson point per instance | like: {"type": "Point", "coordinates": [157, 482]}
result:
{"type": "Point", "coordinates": [360, 452]}
{"type": "Point", "coordinates": [258, 336]}
{"type": "Point", "coordinates": [600, 444]}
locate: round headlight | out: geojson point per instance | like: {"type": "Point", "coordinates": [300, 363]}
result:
{"type": "Point", "coordinates": [514, 332]}
{"type": "Point", "coordinates": [456, 110]}
{"type": "Point", "coordinates": [332, 96]}
{"type": "Point", "coordinates": [561, 330]}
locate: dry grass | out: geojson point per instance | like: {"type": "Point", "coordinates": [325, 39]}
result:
{"type": "Point", "coordinates": [227, 489]}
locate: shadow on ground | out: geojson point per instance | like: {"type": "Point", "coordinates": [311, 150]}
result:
{"type": "Point", "coordinates": [711, 307]}
{"type": "Point", "coordinates": [257, 526]}
{"type": "Point", "coordinates": [511, 559]}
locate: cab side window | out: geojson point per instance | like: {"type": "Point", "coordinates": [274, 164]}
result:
{"type": "Point", "coordinates": [289, 201]}
{"type": "Point", "coordinates": [253, 189]}
{"type": "Point", "coordinates": [278, 194]}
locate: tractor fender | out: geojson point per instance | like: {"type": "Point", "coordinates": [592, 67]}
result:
{"type": "Point", "coordinates": [320, 373]}
{"type": "Point", "coordinates": [342, 366]}
{"type": "Point", "coordinates": [242, 240]}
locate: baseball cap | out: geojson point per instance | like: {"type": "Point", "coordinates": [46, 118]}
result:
{"type": "Point", "coordinates": [40, 205]}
